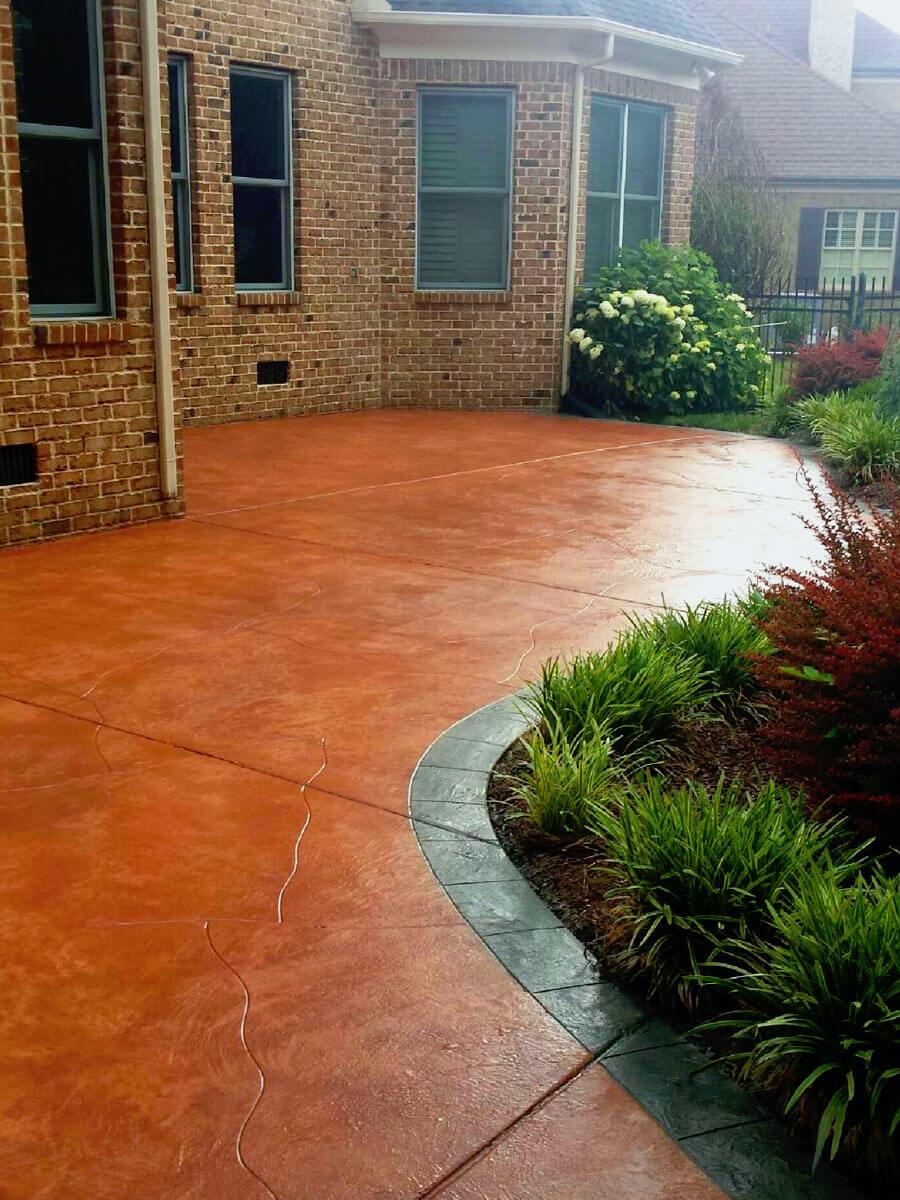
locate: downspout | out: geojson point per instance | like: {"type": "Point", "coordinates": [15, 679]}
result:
{"type": "Point", "coordinates": [159, 256]}
{"type": "Point", "coordinates": [574, 207]}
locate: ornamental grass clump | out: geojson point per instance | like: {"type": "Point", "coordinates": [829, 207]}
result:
{"type": "Point", "coordinates": [693, 873]}
{"type": "Point", "coordinates": [724, 638]}
{"type": "Point", "coordinates": [820, 1014]}
{"type": "Point", "coordinates": [566, 780]}
{"type": "Point", "coordinates": [659, 335]}
{"type": "Point", "coordinates": [640, 692]}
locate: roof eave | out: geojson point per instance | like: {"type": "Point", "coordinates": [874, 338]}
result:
{"type": "Point", "coordinates": [378, 16]}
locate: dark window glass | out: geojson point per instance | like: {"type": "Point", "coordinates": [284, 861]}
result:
{"type": "Point", "coordinates": [645, 129]}
{"type": "Point", "coordinates": [258, 148]}
{"type": "Point", "coordinates": [463, 240]}
{"type": "Point", "coordinates": [606, 148]}
{"type": "Point", "coordinates": [259, 235]}
{"type": "Point", "coordinates": [60, 235]}
{"type": "Point", "coordinates": [463, 141]}
{"type": "Point", "coordinates": [632, 134]}
{"type": "Point", "coordinates": [176, 118]}
{"type": "Point", "coordinates": [53, 62]}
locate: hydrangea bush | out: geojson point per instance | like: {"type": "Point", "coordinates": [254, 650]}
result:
{"type": "Point", "coordinates": [658, 334]}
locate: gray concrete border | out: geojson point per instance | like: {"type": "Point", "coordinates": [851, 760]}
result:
{"type": "Point", "coordinates": [739, 1144]}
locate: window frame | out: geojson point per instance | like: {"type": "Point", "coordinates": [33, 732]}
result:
{"type": "Point", "coordinates": [510, 96]}
{"type": "Point", "coordinates": [620, 195]}
{"type": "Point", "coordinates": [182, 200]}
{"type": "Point", "coordinates": [105, 305]}
{"type": "Point", "coordinates": [857, 249]}
{"type": "Point", "coordinates": [285, 185]}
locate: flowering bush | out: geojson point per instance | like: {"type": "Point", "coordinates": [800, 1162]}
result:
{"type": "Point", "coordinates": [838, 365]}
{"type": "Point", "coordinates": [658, 334]}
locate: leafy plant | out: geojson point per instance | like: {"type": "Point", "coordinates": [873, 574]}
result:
{"type": "Point", "coordinates": [774, 414]}
{"type": "Point", "coordinates": [834, 366]}
{"type": "Point", "coordinates": [566, 779]}
{"type": "Point", "coordinates": [821, 1011]}
{"type": "Point", "coordinates": [637, 690]}
{"type": "Point", "coordinates": [889, 379]}
{"type": "Point", "coordinates": [725, 640]}
{"type": "Point", "coordinates": [694, 872]}
{"type": "Point", "coordinates": [658, 334]}
{"type": "Point", "coordinates": [865, 445]}
{"type": "Point", "coordinates": [839, 729]}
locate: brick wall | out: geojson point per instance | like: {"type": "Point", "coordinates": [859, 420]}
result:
{"type": "Point", "coordinates": [490, 350]}
{"type": "Point", "coordinates": [355, 332]}
{"type": "Point", "coordinates": [84, 392]}
{"type": "Point", "coordinates": [328, 328]}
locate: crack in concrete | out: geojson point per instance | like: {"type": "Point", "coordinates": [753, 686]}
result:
{"type": "Point", "coordinates": [279, 907]}
{"type": "Point", "coordinates": [549, 621]}
{"type": "Point", "coordinates": [239, 1139]}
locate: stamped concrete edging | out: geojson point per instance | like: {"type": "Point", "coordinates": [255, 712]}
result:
{"type": "Point", "coordinates": [741, 1146]}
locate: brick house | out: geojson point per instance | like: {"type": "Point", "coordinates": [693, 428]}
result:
{"type": "Point", "coordinates": [819, 90]}
{"type": "Point", "coordinates": [230, 211]}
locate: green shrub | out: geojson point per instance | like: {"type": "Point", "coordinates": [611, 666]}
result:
{"type": "Point", "coordinates": [658, 334]}
{"type": "Point", "coordinates": [813, 414]}
{"type": "Point", "coordinates": [822, 1012]}
{"type": "Point", "coordinates": [889, 380]}
{"type": "Point", "coordinates": [565, 780]}
{"type": "Point", "coordinates": [723, 637]}
{"type": "Point", "coordinates": [774, 414]}
{"type": "Point", "coordinates": [694, 873]}
{"type": "Point", "coordinates": [640, 692]}
{"type": "Point", "coordinates": [864, 444]}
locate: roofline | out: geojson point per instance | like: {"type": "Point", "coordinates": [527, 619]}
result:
{"type": "Point", "coordinates": [876, 72]}
{"type": "Point", "coordinates": [832, 181]}
{"type": "Point", "coordinates": [371, 13]}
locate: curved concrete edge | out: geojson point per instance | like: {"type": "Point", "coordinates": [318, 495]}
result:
{"type": "Point", "coordinates": [744, 1149]}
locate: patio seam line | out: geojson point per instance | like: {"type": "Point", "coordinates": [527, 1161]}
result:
{"type": "Point", "coordinates": [504, 466]}
{"type": "Point", "coordinates": [755, 1164]}
{"type": "Point", "coordinates": [441, 566]}
{"type": "Point", "coordinates": [434, 1190]}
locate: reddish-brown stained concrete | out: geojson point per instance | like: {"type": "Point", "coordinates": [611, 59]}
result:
{"type": "Point", "coordinates": [186, 1015]}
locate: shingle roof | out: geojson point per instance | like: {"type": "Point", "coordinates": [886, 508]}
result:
{"type": "Point", "coordinates": [877, 47]}
{"type": "Point", "coordinates": [806, 127]}
{"type": "Point", "coordinates": [674, 18]}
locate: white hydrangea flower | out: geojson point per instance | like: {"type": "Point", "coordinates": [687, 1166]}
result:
{"type": "Point", "coordinates": [688, 310]}
{"type": "Point", "coordinates": [596, 352]}
{"type": "Point", "coordinates": [607, 309]}
{"type": "Point", "coordinates": [577, 334]}
{"type": "Point", "coordinates": [674, 395]}
{"type": "Point", "coordinates": [627, 302]}
{"type": "Point", "coordinates": [740, 347]}
{"type": "Point", "coordinates": [585, 344]}
{"type": "Point", "coordinates": [679, 322]}
{"type": "Point", "coordinates": [641, 296]}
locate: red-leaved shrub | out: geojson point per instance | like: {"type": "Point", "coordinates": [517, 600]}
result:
{"type": "Point", "coordinates": [835, 676]}
{"type": "Point", "coordinates": [839, 365]}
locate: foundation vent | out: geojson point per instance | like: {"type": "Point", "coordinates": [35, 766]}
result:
{"type": "Point", "coordinates": [18, 464]}
{"type": "Point", "coordinates": [272, 372]}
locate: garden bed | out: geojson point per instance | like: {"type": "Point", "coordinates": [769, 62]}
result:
{"type": "Point", "coordinates": [711, 805]}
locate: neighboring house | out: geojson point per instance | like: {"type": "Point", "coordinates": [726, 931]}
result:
{"type": "Point", "coordinates": [830, 142]}
{"type": "Point", "coordinates": [248, 208]}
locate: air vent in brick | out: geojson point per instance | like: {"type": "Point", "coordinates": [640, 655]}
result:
{"type": "Point", "coordinates": [272, 372]}
{"type": "Point", "coordinates": [18, 464]}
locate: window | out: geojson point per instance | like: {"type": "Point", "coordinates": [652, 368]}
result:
{"type": "Point", "coordinates": [625, 179]}
{"type": "Point", "coordinates": [464, 189]}
{"type": "Point", "coordinates": [261, 176]}
{"type": "Point", "coordinates": [181, 173]}
{"type": "Point", "coordinates": [856, 240]}
{"type": "Point", "coordinates": [62, 147]}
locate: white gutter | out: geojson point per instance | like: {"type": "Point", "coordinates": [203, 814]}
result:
{"type": "Point", "coordinates": [159, 257]}
{"type": "Point", "coordinates": [376, 14]}
{"type": "Point", "coordinates": [574, 206]}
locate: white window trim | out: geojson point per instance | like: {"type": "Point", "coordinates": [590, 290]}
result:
{"type": "Point", "coordinates": [621, 196]}
{"type": "Point", "coordinates": [857, 250]}
{"type": "Point", "coordinates": [510, 95]}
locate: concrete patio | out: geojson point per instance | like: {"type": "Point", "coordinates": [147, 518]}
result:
{"type": "Point", "coordinates": [228, 970]}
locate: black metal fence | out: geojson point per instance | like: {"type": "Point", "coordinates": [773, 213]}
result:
{"type": "Point", "coordinates": [789, 316]}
